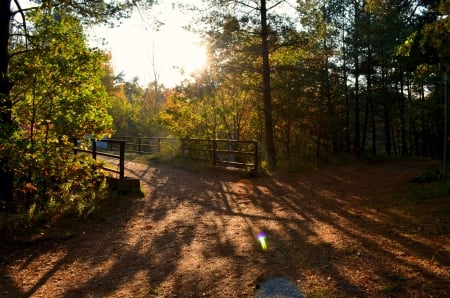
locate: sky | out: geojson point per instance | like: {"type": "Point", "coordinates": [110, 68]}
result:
{"type": "Point", "coordinates": [153, 41]}
{"type": "Point", "coordinates": [139, 46]}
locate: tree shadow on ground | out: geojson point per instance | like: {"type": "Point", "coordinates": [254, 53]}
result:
{"type": "Point", "coordinates": [195, 234]}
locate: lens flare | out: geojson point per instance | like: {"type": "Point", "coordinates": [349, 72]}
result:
{"type": "Point", "coordinates": [262, 240]}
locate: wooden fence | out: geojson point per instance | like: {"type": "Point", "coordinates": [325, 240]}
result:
{"type": "Point", "coordinates": [231, 153]}
{"type": "Point", "coordinates": [223, 152]}
{"type": "Point", "coordinates": [146, 145]}
{"type": "Point", "coordinates": [95, 152]}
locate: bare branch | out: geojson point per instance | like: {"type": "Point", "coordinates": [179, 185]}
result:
{"type": "Point", "coordinates": [247, 5]}
{"type": "Point", "coordinates": [276, 4]}
{"type": "Point", "coordinates": [21, 52]}
{"type": "Point", "coordinates": [22, 10]}
{"type": "Point", "coordinates": [24, 22]}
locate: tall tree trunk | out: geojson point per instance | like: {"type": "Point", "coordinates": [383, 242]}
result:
{"type": "Point", "coordinates": [267, 97]}
{"type": "Point", "coordinates": [404, 149]}
{"type": "Point", "coordinates": [373, 122]}
{"type": "Point", "coordinates": [387, 112]}
{"type": "Point", "coordinates": [387, 128]}
{"type": "Point", "coordinates": [357, 137]}
{"type": "Point", "coordinates": [413, 121]}
{"type": "Point", "coordinates": [370, 102]}
{"type": "Point", "coordinates": [319, 129]}
{"type": "Point", "coordinates": [374, 127]}
{"type": "Point", "coordinates": [329, 102]}
{"type": "Point", "coordinates": [347, 104]}
{"type": "Point", "coordinates": [6, 123]}
{"type": "Point", "coordinates": [365, 126]}
{"type": "Point", "coordinates": [288, 125]}
{"type": "Point", "coordinates": [424, 120]}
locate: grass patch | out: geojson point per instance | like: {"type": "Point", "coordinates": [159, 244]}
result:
{"type": "Point", "coordinates": [144, 158]}
{"type": "Point", "coordinates": [320, 293]}
{"type": "Point", "coordinates": [155, 291]}
{"type": "Point", "coordinates": [389, 289]}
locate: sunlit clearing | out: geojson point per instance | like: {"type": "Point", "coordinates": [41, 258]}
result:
{"type": "Point", "coordinates": [262, 240]}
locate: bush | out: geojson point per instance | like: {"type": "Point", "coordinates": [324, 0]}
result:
{"type": "Point", "coordinates": [50, 182]}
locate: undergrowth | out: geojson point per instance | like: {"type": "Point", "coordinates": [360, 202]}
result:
{"type": "Point", "coordinates": [79, 194]}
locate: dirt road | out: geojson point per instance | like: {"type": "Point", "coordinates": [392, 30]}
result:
{"type": "Point", "coordinates": [350, 231]}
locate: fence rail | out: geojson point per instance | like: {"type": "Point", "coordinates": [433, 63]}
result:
{"type": "Point", "coordinates": [225, 152]}
{"type": "Point", "coordinates": [94, 151]}
{"type": "Point", "coordinates": [233, 153]}
{"type": "Point", "coordinates": [147, 145]}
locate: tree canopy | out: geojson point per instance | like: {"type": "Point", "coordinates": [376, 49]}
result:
{"type": "Point", "coordinates": [346, 77]}
{"type": "Point", "coordinates": [51, 88]}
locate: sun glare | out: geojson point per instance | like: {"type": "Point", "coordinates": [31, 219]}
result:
{"type": "Point", "coordinates": [180, 52]}
{"type": "Point", "coordinates": [168, 53]}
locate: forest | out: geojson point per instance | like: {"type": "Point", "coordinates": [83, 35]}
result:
{"type": "Point", "coordinates": [343, 79]}
{"type": "Point", "coordinates": [328, 81]}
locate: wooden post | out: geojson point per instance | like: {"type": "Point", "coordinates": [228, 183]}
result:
{"type": "Point", "coordinates": [255, 156]}
{"type": "Point", "coordinates": [183, 145]}
{"type": "Point", "coordinates": [158, 145]}
{"type": "Point", "coordinates": [94, 149]}
{"type": "Point", "coordinates": [444, 166]}
{"type": "Point", "coordinates": [75, 146]}
{"type": "Point", "coordinates": [214, 152]}
{"type": "Point", "coordinates": [139, 145]}
{"type": "Point", "coordinates": [122, 160]}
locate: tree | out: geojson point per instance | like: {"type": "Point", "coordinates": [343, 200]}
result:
{"type": "Point", "coordinates": [253, 16]}
{"type": "Point", "coordinates": [321, 41]}
{"type": "Point", "coordinates": [6, 122]}
{"type": "Point", "coordinates": [267, 97]}
{"type": "Point", "coordinates": [60, 95]}
{"type": "Point", "coordinates": [92, 11]}
{"type": "Point", "coordinates": [62, 76]}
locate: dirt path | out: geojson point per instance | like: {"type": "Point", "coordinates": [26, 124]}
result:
{"type": "Point", "coordinates": [349, 231]}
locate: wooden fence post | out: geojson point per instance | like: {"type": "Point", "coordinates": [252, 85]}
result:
{"type": "Point", "coordinates": [255, 156]}
{"type": "Point", "coordinates": [122, 160]}
{"type": "Point", "coordinates": [75, 146]}
{"type": "Point", "coordinates": [94, 149]}
{"type": "Point", "coordinates": [214, 152]}
{"type": "Point", "coordinates": [183, 146]}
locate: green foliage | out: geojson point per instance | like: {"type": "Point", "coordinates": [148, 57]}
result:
{"type": "Point", "coordinates": [354, 80]}
{"type": "Point", "coordinates": [60, 85]}
{"type": "Point", "coordinates": [186, 115]}
{"type": "Point", "coordinates": [52, 188]}
{"type": "Point", "coordinates": [135, 110]}
{"type": "Point", "coordinates": [58, 94]}
{"type": "Point", "coordinates": [95, 11]}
